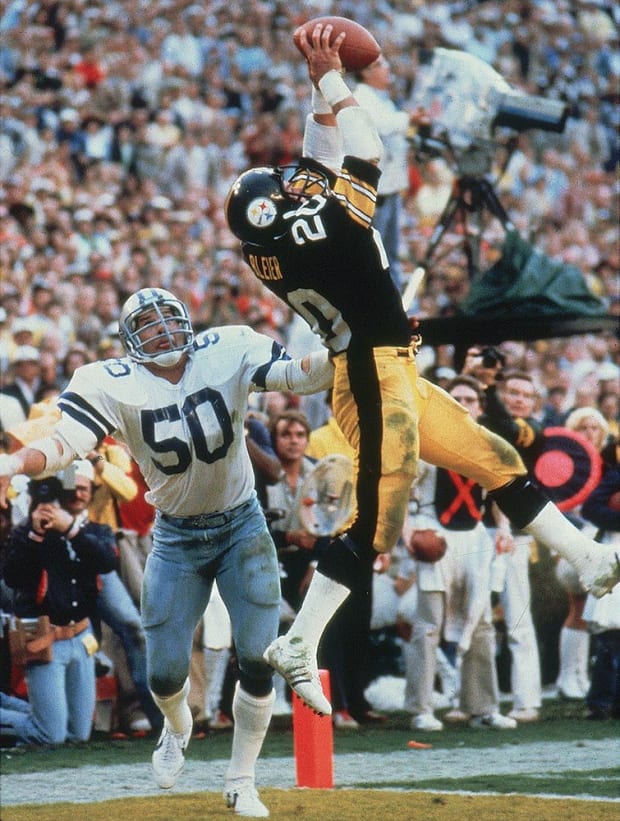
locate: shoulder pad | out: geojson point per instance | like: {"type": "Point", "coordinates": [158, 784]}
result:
{"type": "Point", "coordinates": [116, 378]}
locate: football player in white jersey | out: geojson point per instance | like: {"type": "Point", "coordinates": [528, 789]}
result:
{"type": "Point", "coordinates": [179, 402]}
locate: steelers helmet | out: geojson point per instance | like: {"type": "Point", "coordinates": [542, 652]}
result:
{"type": "Point", "coordinates": [172, 319]}
{"type": "Point", "coordinates": [261, 197]}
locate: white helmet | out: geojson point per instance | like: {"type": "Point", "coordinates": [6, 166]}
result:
{"type": "Point", "coordinates": [174, 322]}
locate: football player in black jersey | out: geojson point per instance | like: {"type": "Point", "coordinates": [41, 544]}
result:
{"type": "Point", "coordinates": [307, 234]}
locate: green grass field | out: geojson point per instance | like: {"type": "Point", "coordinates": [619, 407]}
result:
{"type": "Point", "coordinates": [537, 793]}
{"type": "Point", "coordinates": [560, 722]}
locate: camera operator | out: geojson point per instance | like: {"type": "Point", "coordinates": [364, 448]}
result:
{"type": "Point", "coordinates": [53, 563]}
{"type": "Point", "coordinates": [509, 407]}
{"type": "Point", "coordinates": [395, 126]}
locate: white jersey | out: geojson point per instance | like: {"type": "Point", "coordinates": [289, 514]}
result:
{"type": "Point", "coordinates": [188, 438]}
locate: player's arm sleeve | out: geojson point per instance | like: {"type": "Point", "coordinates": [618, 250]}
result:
{"type": "Point", "coordinates": [86, 419]}
{"type": "Point", "coordinates": [272, 369]}
{"type": "Point", "coordinates": [311, 374]}
{"type": "Point", "coordinates": [355, 189]}
{"type": "Point", "coordinates": [67, 442]}
{"type": "Point", "coordinates": [323, 143]}
{"type": "Point", "coordinates": [87, 407]}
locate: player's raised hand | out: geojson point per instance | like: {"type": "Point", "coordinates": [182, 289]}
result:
{"type": "Point", "coordinates": [320, 56]}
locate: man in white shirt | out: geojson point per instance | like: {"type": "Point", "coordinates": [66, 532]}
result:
{"type": "Point", "coordinates": [372, 92]}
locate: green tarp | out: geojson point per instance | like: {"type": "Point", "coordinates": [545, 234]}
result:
{"type": "Point", "coordinates": [524, 282]}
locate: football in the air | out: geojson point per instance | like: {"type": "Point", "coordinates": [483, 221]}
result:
{"type": "Point", "coordinates": [359, 48]}
{"type": "Point", "coordinates": [427, 545]}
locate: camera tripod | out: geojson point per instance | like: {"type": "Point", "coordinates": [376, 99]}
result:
{"type": "Point", "coordinates": [470, 195]}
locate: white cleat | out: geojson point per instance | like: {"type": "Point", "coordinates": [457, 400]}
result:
{"type": "Point", "coordinates": [493, 721]}
{"type": "Point", "coordinates": [426, 722]}
{"type": "Point", "coordinates": [296, 662]}
{"type": "Point", "coordinates": [602, 571]}
{"type": "Point", "coordinates": [169, 756]}
{"type": "Point", "coordinates": [242, 798]}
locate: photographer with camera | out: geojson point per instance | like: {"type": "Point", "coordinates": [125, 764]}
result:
{"type": "Point", "coordinates": [53, 563]}
{"type": "Point", "coordinates": [510, 398]}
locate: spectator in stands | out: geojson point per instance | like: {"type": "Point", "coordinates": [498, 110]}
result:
{"type": "Point", "coordinates": [110, 483]}
{"type": "Point", "coordinates": [454, 592]}
{"type": "Point", "coordinates": [26, 369]}
{"type": "Point", "coordinates": [11, 414]}
{"type": "Point", "coordinates": [509, 405]}
{"type": "Point", "coordinates": [136, 517]}
{"type": "Point", "coordinates": [601, 508]}
{"type": "Point", "coordinates": [265, 461]}
{"type": "Point", "coordinates": [76, 355]}
{"type": "Point", "coordinates": [374, 92]}
{"type": "Point", "coordinates": [573, 680]}
{"type": "Point", "coordinates": [297, 549]}
{"type": "Point", "coordinates": [53, 564]}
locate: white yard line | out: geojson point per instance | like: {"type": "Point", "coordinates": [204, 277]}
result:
{"type": "Point", "coordinates": [100, 783]}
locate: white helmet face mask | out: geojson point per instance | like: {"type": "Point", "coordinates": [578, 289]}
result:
{"type": "Point", "coordinates": [170, 318]}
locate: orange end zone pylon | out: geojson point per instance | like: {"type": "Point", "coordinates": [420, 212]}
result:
{"type": "Point", "coordinates": [313, 742]}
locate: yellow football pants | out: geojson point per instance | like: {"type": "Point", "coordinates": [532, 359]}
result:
{"type": "Point", "coordinates": [391, 417]}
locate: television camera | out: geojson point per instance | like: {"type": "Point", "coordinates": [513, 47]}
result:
{"type": "Point", "coordinates": [468, 101]}
{"type": "Point", "coordinates": [473, 112]}
{"type": "Point", "coordinates": [476, 119]}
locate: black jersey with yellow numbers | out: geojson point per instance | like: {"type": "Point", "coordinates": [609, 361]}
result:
{"type": "Point", "coordinates": [331, 267]}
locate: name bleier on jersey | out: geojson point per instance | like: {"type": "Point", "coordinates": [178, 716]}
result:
{"type": "Point", "coordinates": [267, 268]}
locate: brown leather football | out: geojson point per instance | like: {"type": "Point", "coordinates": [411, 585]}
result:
{"type": "Point", "coordinates": [359, 49]}
{"type": "Point", "coordinates": [427, 545]}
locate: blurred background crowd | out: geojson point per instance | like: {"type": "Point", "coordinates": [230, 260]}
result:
{"type": "Point", "coordinates": [123, 124]}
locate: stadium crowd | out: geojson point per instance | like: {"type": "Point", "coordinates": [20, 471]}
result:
{"type": "Point", "coordinates": [123, 125]}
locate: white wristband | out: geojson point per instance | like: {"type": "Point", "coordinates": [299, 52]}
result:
{"type": "Point", "coordinates": [319, 104]}
{"type": "Point", "coordinates": [333, 88]}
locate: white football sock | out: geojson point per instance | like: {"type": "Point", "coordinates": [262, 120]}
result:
{"type": "Point", "coordinates": [323, 598]}
{"type": "Point", "coordinates": [573, 676]}
{"type": "Point", "coordinates": [251, 715]}
{"type": "Point", "coordinates": [552, 529]}
{"type": "Point", "coordinates": [176, 709]}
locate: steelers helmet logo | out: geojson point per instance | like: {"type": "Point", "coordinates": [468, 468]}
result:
{"type": "Point", "coordinates": [261, 212]}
